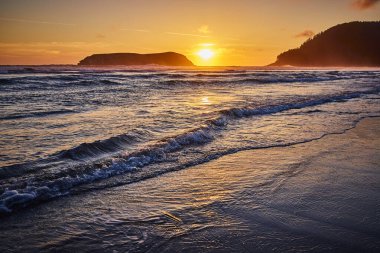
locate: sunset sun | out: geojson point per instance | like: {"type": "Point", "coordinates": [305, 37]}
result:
{"type": "Point", "coordinates": [205, 54]}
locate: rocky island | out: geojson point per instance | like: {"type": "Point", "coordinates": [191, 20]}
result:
{"type": "Point", "coordinates": [165, 59]}
{"type": "Point", "coordinates": [348, 44]}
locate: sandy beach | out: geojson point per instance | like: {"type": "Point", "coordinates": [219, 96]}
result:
{"type": "Point", "coordinates": [318, 196]}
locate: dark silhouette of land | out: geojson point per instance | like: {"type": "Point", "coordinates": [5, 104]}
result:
{"type": "Point", "coordinates": [166, 59]}
{"type": "Point", "coordinates": [348, 44]}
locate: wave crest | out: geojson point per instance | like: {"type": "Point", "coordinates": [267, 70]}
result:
{"type": "Point", "coordinates": [29, 191]}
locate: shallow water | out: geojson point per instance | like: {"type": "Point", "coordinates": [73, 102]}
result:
{"type": "Point", "coordinates": [319, 196]}
{"type": "Point", "coordinates": [67, 130]}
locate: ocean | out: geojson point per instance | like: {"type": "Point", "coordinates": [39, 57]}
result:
{"type": "Point", "coordinates": [82, 134]}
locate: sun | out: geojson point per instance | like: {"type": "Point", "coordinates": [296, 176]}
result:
{"type": "Point", "coordinates": [205, 54]}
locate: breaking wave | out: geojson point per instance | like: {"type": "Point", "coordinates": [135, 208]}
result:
{"type": "Point", "coordinates": [25, 190]}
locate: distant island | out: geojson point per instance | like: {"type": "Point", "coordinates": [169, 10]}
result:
{"type": "Point", "coordinates": [348, 44]}
{"type": "Point", "coordinates": [165, 59]}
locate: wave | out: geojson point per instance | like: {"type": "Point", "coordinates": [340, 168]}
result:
{"type": "Point", "coordinates": [155, 75]}
{"type": "Point", "coordinates": [6, 81]}
{"type": "Point", "coordinates": [20, 69]}
{"type": "Point", "coordinates": [82, 77]}
{"type": "Point", "coordinates": [98, 148]}
{"type": "Point", "coordinates": [248, 80]}
{"type": "Point", "coordinates": [51, 185]}
{"type": "Point", "coordinates": [91, 82]}
{"type": "Point", "coordinates": [36, 114]}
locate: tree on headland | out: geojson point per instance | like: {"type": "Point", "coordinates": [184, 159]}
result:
{"type": "Point", "coordinates": [348, 44]}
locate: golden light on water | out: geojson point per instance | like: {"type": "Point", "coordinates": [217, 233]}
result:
{"type": "Point", "coordinates": [205, 101]}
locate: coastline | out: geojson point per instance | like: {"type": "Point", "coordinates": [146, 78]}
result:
{"type": "Point", "coordinates": [317, 196]}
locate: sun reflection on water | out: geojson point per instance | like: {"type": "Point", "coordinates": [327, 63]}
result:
{"type": "Point", "coordinates": [205, 100]}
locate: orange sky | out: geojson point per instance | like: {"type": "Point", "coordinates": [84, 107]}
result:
{"type": "Point", "coordinates": [238, 32]}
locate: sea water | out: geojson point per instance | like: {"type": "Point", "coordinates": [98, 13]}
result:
{"type": "Point", "coordinates": [63, 128]}
{"type": "Point", "coordinates": [69, 130]}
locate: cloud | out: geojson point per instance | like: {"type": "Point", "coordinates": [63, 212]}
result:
{"type": "Point", "coordinates": [204, 29]}
{"type": "Point", "coordinates": [53, 52]}
{"type": "Point", "coordinates": [305, 34]}
{"type": "Point", "coordinates": [136, 30]}
{"type": "Point", "coordinates": [364, 4]}
{"type": "Point", "coordinates": [188, 34]}
{"type": "Point", "coordinates": [100, 36]}
{"type": "Point", "coordinates": [206, 44]}
{"type": "Point", "coordinates": [35, 21]}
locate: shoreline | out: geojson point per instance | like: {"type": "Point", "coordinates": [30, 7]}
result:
{"type": "Point", "coordinates": [320, 196]}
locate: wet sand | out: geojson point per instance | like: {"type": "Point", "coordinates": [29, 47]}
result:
{"type": "Point", "coordinates": [320, 196]}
